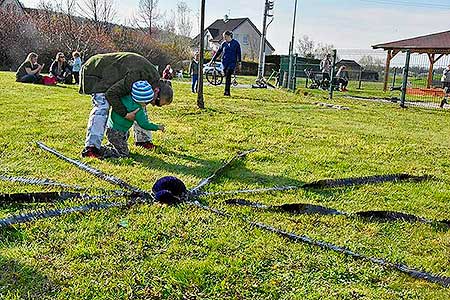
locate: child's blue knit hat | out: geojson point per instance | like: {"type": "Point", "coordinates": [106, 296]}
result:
{"type": "Point", "coordinates": [142, 92]}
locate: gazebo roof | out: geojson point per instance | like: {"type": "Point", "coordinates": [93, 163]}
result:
{"type": "Point", "coordinates": [431, 43]}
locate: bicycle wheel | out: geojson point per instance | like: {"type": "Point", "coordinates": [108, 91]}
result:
{"type": "Point", "coordinates": [214, 77]}
{"type": "Point", "coordinates": [234, 81]}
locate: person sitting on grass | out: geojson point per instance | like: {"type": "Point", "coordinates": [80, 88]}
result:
{"type": "Point", "coordinates": [61, 70]}
{"type": "Point", "coordinates": [118, 127]}
{"type": "Point", "coordinates": [342, 77]}
{"type": "Point", "coordinates": [445, 79]}
{"type": "Point", "coordinates": [168, 73]}
{"type": "Point", "coordinates": [29, 71]}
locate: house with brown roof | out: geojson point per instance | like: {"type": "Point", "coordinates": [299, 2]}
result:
{"type": "Point", "coordinates": [244, 31]}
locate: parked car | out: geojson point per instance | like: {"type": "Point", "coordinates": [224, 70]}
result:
{"type": "Point", "coordinates": [217, 65]}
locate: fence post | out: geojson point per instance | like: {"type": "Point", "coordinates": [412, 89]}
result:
{"type": "Point", "coordinates": [285, 79]}
{"type": "Point", "coordinates": [405, 79]}
{"type": "Point", "coordinates": [294, 74]}
{"type": "Point", "coordinates": [360, 78]}
{"type": "Point", "coordinates": [395, 77]}
{"type": "Point", "coordinates": [333, 66]}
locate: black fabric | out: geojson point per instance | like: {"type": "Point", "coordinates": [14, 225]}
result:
{"type": "Point", "coordinates": [343, 82]}
{"type": "Point", "coordinates": [30, 78]}
{"type": "Point", "coordinates": [228, 73]}
{"type": "Point", "coordinates": [64, 74]}
{"type": "Point", "coordinates": [76, 76]}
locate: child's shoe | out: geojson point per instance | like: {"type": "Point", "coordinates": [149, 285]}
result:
{"type": "Point", "coordinates": [146, 145]}
{"type": "Point", "coordinates": [91, 152]}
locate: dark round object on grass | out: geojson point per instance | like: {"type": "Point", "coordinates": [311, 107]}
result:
{"type": "Point", "coordinates": [169, 185]}
{"type": "Point", "coordinates": [166, 197]}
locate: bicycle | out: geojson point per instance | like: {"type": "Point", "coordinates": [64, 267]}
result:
{"type": "Point", "coordinates": [215, 77]}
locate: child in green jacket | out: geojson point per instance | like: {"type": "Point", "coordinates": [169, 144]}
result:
{"type": "Point", "coordinates": [118, 127]}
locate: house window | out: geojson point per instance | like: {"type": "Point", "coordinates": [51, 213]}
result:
{"type": "Point", "coordinates": [245, 39]}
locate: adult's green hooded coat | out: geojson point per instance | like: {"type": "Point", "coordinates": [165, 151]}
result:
{"type": "Point", "coordinates": [114, 75]}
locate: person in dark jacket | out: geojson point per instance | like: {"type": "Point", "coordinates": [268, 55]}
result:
{"type": "Point", "coordinates": [231, 58]}
{"type": "Point", "coordinates": [108, 78]}
{"type": "Point", "coordinates": [193, 71]}
{"type": "Point", "coordinates": [61, 70]}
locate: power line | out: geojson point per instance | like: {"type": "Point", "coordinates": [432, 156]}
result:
{"type": "Point", "coordinates": [407, 4]}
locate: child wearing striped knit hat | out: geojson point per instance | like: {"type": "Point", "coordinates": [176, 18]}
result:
{"type": "Point", "coordinates": [118, 127]}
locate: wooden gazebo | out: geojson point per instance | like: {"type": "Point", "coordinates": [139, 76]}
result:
{"type": "Point", "coordinates": [434, 45]}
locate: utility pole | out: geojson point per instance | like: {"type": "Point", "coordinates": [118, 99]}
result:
{"type": "Point", "coordinates": [291, 48]}
{"type": "Point", "coordinates": [268, 6]}
{"type": "Point", "coordinates": [200, 100]}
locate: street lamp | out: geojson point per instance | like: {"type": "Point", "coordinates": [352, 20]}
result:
{"type": "Point", "coordinates": [268, 7]}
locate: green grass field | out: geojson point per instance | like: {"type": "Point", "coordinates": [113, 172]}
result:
{"type": "Point", "coordinates": [184, 253]}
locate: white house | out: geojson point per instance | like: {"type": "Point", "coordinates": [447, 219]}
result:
{"type": "Point", "coordinates": [244, 31]}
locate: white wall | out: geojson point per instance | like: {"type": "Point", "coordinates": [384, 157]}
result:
{"type": "Point", "coordinates": [249, 39]}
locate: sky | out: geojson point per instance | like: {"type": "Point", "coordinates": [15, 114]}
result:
{"type": "Point", "coordinates": [346, 24]}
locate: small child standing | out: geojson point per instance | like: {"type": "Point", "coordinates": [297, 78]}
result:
{"type": "Point", "coordinates": [118, 127]}
{"type": "Point", "coordinates": [193, 71]}
{"type": "Point", "coordinates": [76, 67]}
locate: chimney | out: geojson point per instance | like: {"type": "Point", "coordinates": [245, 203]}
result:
{"type": "Point", "coordinates": [225, 18]}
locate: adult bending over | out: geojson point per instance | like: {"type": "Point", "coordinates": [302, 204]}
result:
{"type": "Point", "coordinates": [108, 78]}
{"type": "Point", "coordinates": [29, 71]}
{"type": "Point", "coordinates": [61, 70]}
{"type": "Point", "coordinates": [231, 58]}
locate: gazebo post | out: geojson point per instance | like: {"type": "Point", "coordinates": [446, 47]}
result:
{"type": "Point", "coordinates": [386, 70]}
{"type": "Point", "coordinates": [430, 71]}
{"type": "Point", "coordinates": [390, 56]}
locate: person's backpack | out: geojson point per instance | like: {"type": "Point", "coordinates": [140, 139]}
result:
{"type": "Point", "coordinates": [48, 80]}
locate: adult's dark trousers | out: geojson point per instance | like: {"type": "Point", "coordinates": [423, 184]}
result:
{"type": "Point", "coordinates": [29, 78]}
{"type": "Point", "coordinates": [228, 73]}
{"type": "Point", "coordinates": [76, 76]}
{"type": "Point", "coordinates": [343, 82]}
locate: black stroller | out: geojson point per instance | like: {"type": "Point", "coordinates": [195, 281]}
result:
{"type": "Point", "coordinates": [315, 80]}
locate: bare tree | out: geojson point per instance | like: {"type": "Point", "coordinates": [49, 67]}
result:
{"type": "Point", "coordinates": [169, 22]}
{"type": "Point", "coordinates": [63, 31]}
{"type": "Point", "coordinates": [100, 12]}
{"type": "Point", "coordinates": [322, 50]}
{"type": "Point", "coordinates": [183, 19]}
{"type": "Point", "coordinates": [148, 15]}
{"type": "Point", "coordinates": [306, 47]}
{"type": "Point", "coordinates": [253, 46]}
